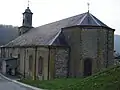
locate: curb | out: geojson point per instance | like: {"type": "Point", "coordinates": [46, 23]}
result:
{"type": "Point", "coordinates": [25, 85]}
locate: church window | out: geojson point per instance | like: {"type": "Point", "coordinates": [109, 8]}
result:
{"type": "Point", "coordinates": [18, 62]}
{"type": "Point", "coordinates": [3, 55]}
{"type": "Point", "coordinates": [3, 52]}
{"type": "Point", "coordinates": [30, 62]}
{"type": "Point", "coordinates": [10, 54]}
{"type": "Point", "coordinates": [40, 65]}
{"type": "Point", "coordinates": [18, 59]}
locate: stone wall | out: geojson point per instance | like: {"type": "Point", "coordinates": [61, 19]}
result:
{"type": "Point", "coordinates": [73, 38]}
{"type": "Point", "coordinates": [89, 46]}
{"type": "Point", "coordinates": [22, 54]}
{"type": "Point", "coordinates": [90, 42]}
{"type": "Point", "coordinates": [42, 52]}
{"type": "Point", "coordinates": [110, 47]}
{"type": "Point", "coordinates": [61, 63]}
{"type": "Point", "coordinates": [83, 44]}
{"type": "Point", "coordinates": [102, 48]}
{"type": "Point", "coordinates": [24, 59]}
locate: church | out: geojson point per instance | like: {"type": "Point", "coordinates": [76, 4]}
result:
{"type": "Point", "coordinates": [73, 47]}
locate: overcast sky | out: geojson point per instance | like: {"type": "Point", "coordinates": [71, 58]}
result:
{"type": "Point", "coordinates": [46, 11]}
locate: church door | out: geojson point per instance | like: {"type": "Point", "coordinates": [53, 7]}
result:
{"type": "Point", "coordinates": [87, 67]}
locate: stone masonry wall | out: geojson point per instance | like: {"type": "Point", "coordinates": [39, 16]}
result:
{"type": "Point", "coordinates": [110, 48]}
{"type": "Point", "coordinates": [61, 63]}
{"type": "Point", "coordinates": [89, 46]}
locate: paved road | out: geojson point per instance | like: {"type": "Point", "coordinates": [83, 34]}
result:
{"type": "Point", "coordinates": [8, 85]}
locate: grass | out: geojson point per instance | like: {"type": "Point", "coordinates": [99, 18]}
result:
{"type": "Point", "coordinates": [106, 80]}
{"type": "Point", "coordinates": [51, 84]}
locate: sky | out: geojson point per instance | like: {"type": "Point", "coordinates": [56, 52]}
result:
{"type": "Point", "coordinates": [47, 11]}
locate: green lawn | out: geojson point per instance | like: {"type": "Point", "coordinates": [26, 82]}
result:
{"type": "Point", "coordinates": [51, 84]}
{"type": "Point", "coordinates": [105, 80]}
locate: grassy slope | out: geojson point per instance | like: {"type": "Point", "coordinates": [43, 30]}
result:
{"type": "Point", "coordinates": [106, 80]}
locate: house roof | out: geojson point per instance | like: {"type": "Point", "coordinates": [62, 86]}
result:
{"type": "Point", "coordinates": [47, 34]}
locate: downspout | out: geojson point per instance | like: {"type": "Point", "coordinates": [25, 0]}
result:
{"type": "Point", "coordinates": [107, 49]}
{"type": "Point", "coordinates": [98, 49]}
{"type": "Point", "coordinates": [35, 63]}
{"type": "Point", "coordinates": [48, 62]}
{"type": "Point", "coordinates": [113, 45]}
{"type": "Point", "coordinates": [24, 61]}
{"type": "Point", "coordinates": [8, 52]}
{"type": "Point", "coordinates": [68, 72]}
{"type": "Point", "coordinates": [1, 52]}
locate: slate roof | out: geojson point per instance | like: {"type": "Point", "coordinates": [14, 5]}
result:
{"type": "Point", "coordinates": [50, 34]}
{"type": "Point", "coordinates": [27, 10]}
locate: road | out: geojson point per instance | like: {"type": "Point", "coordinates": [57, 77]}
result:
{"type": "Point", "coordinates": [8, 85]}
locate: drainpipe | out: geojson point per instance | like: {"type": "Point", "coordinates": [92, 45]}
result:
{"type": "Point", "coordinates": [1, 51]}
{"type": "Point", "coordinates": [69, 51]}
{"type": "Point", "coordinates": [107, 49]}
{"type": "Point", "coordinates": [48, 61]}
{"type": "Point", "coordinates": [24, 62]}
{"type": "Point", "coordinates": [34, 78]}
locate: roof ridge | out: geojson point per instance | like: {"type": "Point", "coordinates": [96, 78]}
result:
{"type": "Point", "coordinates": [55, 37]}
{"type": "Point", "coordinates": [82, 19]}
{"type": "Point", "coordinates": [94, 19]}
{"type": "Point", "coordinates": [61, 19]}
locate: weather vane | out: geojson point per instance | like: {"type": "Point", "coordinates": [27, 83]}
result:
{"type": "Point", "coordinates": [88, 6]}
{"type": "Point", "coordinates": [28, 3]}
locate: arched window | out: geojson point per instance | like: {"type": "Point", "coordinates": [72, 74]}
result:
{"type": "Point", "coordinates": [18, 60]}
{"type": "Point", "coordinates": [40, 65]}
{"type": "Point", "coordinates": [18, 63]}
{"type": "Point", "coordinates": [30, 62]}
{"type": "Point", "coordinates": [10, 54]}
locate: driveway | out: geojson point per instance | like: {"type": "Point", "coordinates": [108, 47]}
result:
{"type": "Point", "coordinates": [8, 85]}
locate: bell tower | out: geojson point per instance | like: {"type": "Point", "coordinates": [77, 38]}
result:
{"type": "Point", "coordinates": [27, 21]}
{"type": "Point", "coordinates": [27, 18]}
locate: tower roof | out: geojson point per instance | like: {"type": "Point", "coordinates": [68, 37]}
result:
{"type": "Point", "coordinates": [28, 10]}
{"type": "Point", "coordinates": [88, 19]}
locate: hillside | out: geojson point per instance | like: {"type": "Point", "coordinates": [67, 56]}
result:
{"type": "Point", "coordinates": [7, 33]}
{"type": "Point", "coordinates": [106, 80]}
{"type": "Point", "coordinates": [117, 43]}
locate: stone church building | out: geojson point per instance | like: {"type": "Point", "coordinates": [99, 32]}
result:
{"type": "Point", "coordinates": [73, 47]}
